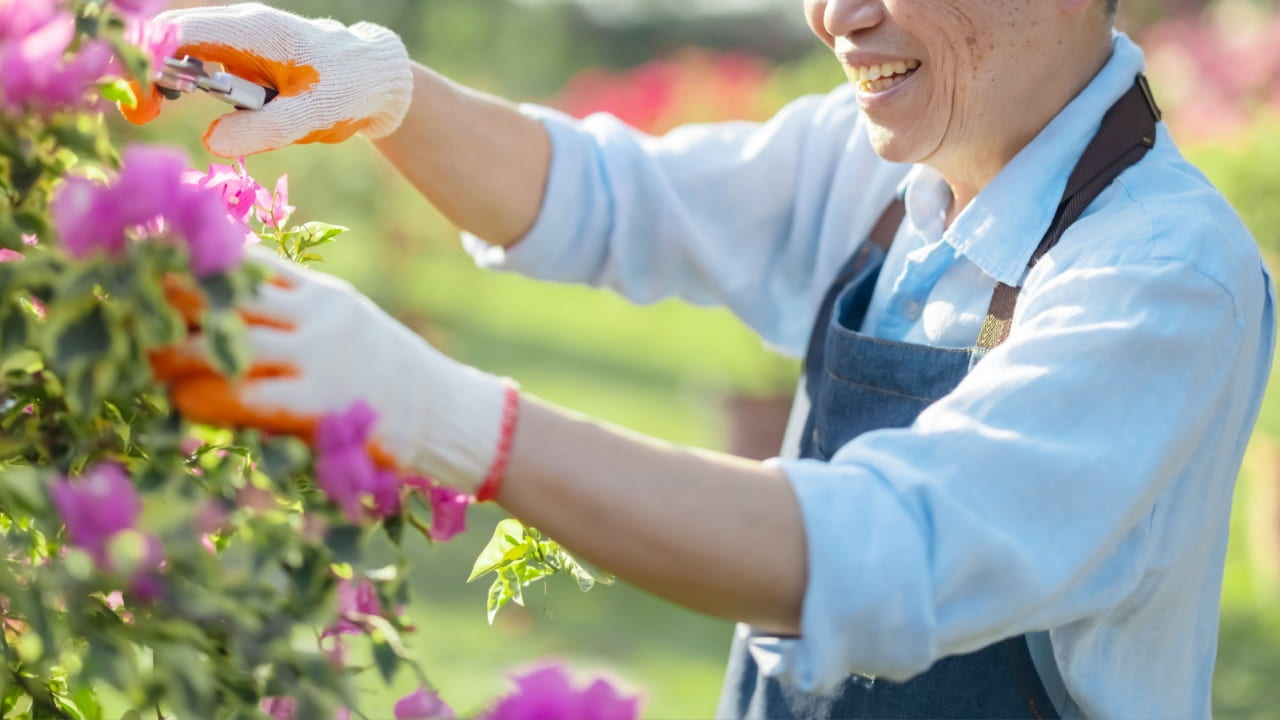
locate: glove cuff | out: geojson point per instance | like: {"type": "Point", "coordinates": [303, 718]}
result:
{"type": "Point", "coordinates": [462, 432]}
{"type": "Point", "coordinates": [390, 77]}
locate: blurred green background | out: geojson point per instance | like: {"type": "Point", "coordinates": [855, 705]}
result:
{"type": "Point", "coordinates": [692, 375]}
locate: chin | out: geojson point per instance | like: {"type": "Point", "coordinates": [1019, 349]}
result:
{"type": "Point", "coordinates": [893, 146]}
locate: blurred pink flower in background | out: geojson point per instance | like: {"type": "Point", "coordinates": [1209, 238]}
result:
{"type": "Point", "coordinates": [95, 507]}
{"type": "Point", "coordinates": [1214, 72]}
{"type": "Point", "coordinates": [690, 86]}
{"type": "Point", "coordinates": [423, 704]}
{"type": "Point", "coordinates": [548, 692]}
{"type": "Point", "coordinates": [139, 8]}
{"type": "Point", "coordinates": [35, 73]}
{"type": "Point", "coordinates": [280, 707]}
{"type": "Point", "coordinates": [158, 40]}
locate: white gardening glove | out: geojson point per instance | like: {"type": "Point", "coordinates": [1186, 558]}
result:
{"type": "Point", "coordinates": [319, 346]}
{"type": "Point", "coordinates": [333, 80]}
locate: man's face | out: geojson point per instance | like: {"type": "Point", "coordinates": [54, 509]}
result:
{"type": "Point", "coordinates": [938, 78]}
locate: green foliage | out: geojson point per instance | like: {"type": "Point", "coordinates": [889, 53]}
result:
{"type": "Point", "coordinates": [297, 243]}
{"type": "Point", "coordinates": [520, 556]}
{"type": "Point", "coordinates": [253, 551]}
{"type": "Point", "coordinates": [1245, 172]}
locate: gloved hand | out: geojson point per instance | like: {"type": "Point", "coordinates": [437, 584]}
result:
{"type": "Point", "coordinates": [318, 346]}
{"type": "Point", "coordinates": [333, 80]}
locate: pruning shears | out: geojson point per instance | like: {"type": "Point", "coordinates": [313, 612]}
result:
{"type": "Point", "coordinates": [188, 74]}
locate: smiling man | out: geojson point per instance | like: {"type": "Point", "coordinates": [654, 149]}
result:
{"type": "Point", "coordinates": [1036, 340]}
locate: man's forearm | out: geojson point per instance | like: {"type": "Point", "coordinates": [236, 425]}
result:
{"type": "Point", "coordinates": [714, 533]}
{"type": "Point", "coordinates": [473, 156]}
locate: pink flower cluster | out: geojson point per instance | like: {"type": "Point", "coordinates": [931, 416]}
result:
{"type": "Point", "coordinates": [149, 198]}
{"type": "Point", "coordinates": [660, 94]}
{"type": "Point", "coordinates": [98, 506]}
{"type": "Point", "coordinates": [1213, 74]}
{"type": "Point", "coordinates": [37, 71]}
{"type": "Point", "coordinates": [349, 476]}
{"type": "Point", "coordinates": [244, 197]}
{"type": "Point", "coordinates": [548, 693]}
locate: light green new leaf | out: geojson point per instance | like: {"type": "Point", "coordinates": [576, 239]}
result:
{"type": "Point", "coordinates": [503, 548]}
{"type": "Point", "coordinates": [119, 91]}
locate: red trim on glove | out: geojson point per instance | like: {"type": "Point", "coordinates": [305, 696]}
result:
{"type": "Point", "coordinates": [497, 472]}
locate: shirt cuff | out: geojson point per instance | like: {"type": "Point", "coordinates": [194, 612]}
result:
{"type": "Point", "coordinates": [539, 253]}
{"type": "Point", "coordinates": [866, 605]}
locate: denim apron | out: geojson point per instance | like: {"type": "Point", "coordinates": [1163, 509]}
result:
{"type": "Point", "coordinates": [856, 384]}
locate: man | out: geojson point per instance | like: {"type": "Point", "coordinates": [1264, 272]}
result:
{"type": "Point", "coordinates": [1007, 486]}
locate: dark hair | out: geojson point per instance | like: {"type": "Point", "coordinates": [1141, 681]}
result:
{"type": "Point", "coordinates": [1111, 6]}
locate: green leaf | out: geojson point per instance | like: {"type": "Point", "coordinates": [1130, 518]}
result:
{"type": "Point", "coordinates": [502, 548]}
{"type": "Point", "coordinates": [318, 233]}
{"type": "Point", "coordinates": [497, 598]}
{"type": "Point", "coordinates": [344, 541]}
{"type": "Point", "coordinates": [387, 661]}
{"type": "Point", "coordinates": [83, 338]}
{"type": "Point", "coordinates": [119, 91]}
{"type": "Point", "coordinates": [228, 342]}
{"type": "Point", "coordinates": [219, 290]}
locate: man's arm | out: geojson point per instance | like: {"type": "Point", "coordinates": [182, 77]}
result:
{"type": "Point", "coordinates": [715, 533]}
{"type": "Point", "coordinates": [475, 157]}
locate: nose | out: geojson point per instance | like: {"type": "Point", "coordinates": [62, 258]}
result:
{"type": "Point", "coordinates": [841, 18]}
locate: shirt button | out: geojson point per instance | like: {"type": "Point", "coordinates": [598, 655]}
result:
{"type": "Point", "coordinates": [911, 310]}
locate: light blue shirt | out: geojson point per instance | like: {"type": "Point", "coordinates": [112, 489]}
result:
{"type": "Point", "coordinates": [1076, 485]}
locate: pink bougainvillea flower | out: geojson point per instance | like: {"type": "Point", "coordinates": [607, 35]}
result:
{"type": "Point", "coordinates": [158, 40]}
{"type": "Point", "coordinates": [7, 255]}
{"type": "Point", "coordinates": [239, 191]}
{"type": "Point", "coordinates": [35, 74]}
{"type": "Point", "coordinates": [145, 584]}
{"type": "Point", "coordinates": [547, 692]}
{"type": "Point", "coordinates": [423, 704]}
{"type": "Point", "coordinates": [87, 218]}
{"type": "Point", "coordinates": [276, 211]}
{"type": "Point", "coordinates": [448, 512]}
{"type": "Point", "coordinates": [149, 184]}
{"type": "Point", "coordinates": [139, 9]}
{"type": "Point", "coordinates": [344, 469]}
{"type": "Point", "coordinates": [280, 707]}
{"type": "Point", "coordinates": [30, 240]}
{"type": "Point", "coordinates": [357, 598]}
{"type": "Point", "coordinates": [214, 240]}
{"type": "Point", "coordinates": [96, 507]}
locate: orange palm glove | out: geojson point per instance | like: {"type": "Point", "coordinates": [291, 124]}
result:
{"type": "Point", "coordinates": [318, 346]}
{"type": "Point", "coordinates": [333, 80]}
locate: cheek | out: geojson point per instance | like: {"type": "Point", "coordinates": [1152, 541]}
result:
{"type": "Point", "coordinates": [813, 12]}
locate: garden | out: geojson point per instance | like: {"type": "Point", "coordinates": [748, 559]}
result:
{"type": "Point", "coordinates": [346, 591]}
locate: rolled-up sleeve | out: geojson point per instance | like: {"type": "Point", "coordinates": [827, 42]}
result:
{"type": "Point", "coordinates": [715, 214]}
{"type": "Point", "coordinates": [1022, 500]}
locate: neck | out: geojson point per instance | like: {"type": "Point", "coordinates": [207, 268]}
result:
{"type": "Point", "coordinates": [971, 168]}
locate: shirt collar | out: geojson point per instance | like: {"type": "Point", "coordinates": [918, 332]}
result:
{"type": "Point", "coordinates": [1000, 229]}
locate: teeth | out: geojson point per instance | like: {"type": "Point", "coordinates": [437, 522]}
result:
{"type": "Point", "coordinates": [868, 73]}
{"type": "Point", "coordinates": [874, 78]}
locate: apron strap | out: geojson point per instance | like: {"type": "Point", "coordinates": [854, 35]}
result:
{"type": "Point", "coordinates": [1128, 132]}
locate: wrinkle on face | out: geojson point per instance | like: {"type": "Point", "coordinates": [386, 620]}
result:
{"type": "Point", "coordinates": [993, 73]}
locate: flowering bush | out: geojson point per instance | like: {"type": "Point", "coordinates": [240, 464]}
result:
{"type": "Point", "coordinates": [1216, 72]}
{"type": "Point", "coordinates": [197, 571]}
